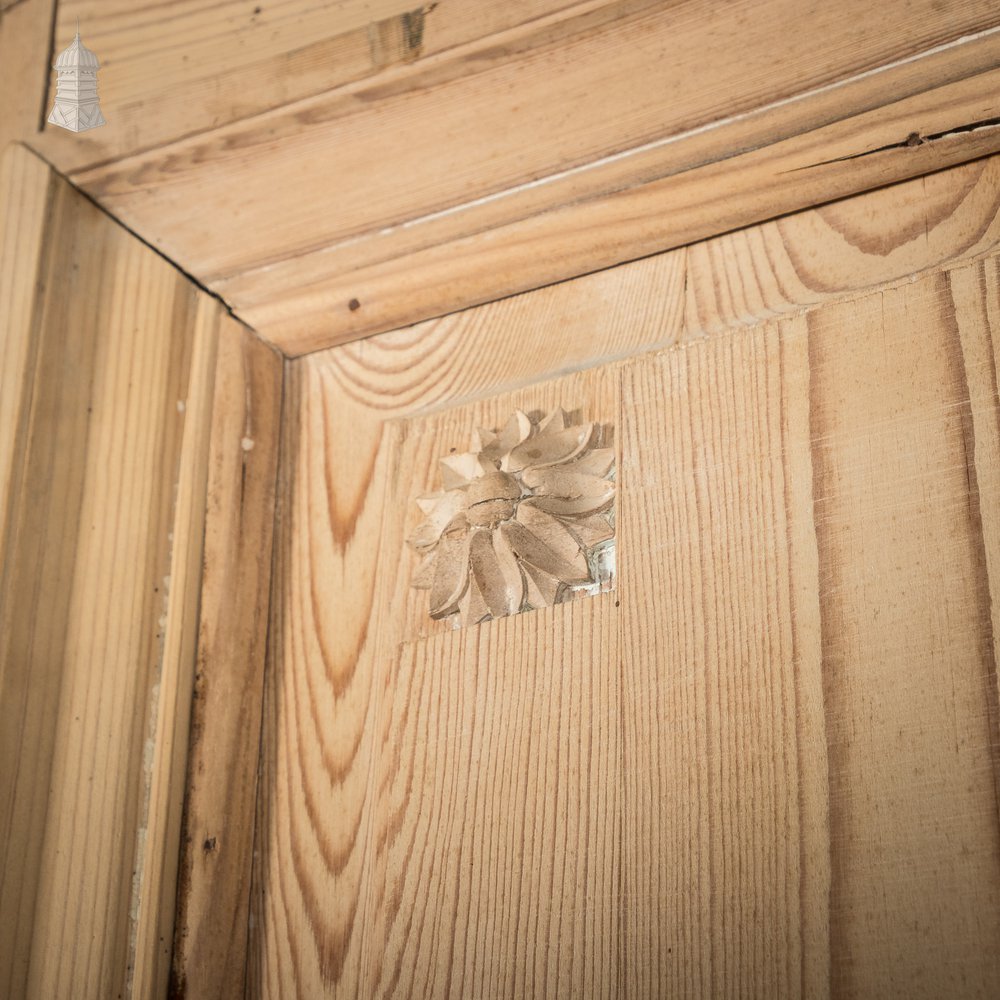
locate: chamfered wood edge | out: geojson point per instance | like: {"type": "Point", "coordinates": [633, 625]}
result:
{"type": "Point", "coordinates": [210, 930]}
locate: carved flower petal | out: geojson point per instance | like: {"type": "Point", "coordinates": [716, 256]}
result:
{"type": "Point", "coordinates": [597, 462]}
{"type": "Point", "coordinates": [495, 570]}
{"type": "Point", "coordinates": [549, 449]}
{"type": "Point", "coordinates": [516, 430]}
{"type": "Point", "coordinates": [591, 530]}
{"type": "Point", "coordinates": [459, 470]}
{"type": "Point", "coordinates": [555, 421]}
{"type": "Point", "coordinates": [552, 532]}
{"type": "Point", "coordinates": [573, 506]}
{"type": "Point", "coordinates": [542, 588]}
{"type": "Point", "coordinates": [532, 550]}
{"type": "Point", "coordinates": [423, 577]}
{"type": "Point", "coordinates": [560, 481]}
{"type": "Point", "coordinates": [451, 573]}
{"type": "Point", "coordinates": [429, 502]}
{"type": "Point", "coordinates": [482, 439]}
{"type": "Point", "coordinates": [441, 515]}
{"type": "Point", "coordinates": [472, 606]}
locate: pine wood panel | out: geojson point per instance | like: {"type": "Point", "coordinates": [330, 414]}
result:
{"type": "Point", "coordinates": [499, 783]}
{"type": "Point", "coordinates": [842, 249]}
{"type": "Point", "coordinates": [787, 710]}
{"type": "Point", "coordinates": [909, 669]}
{"type": "Point", "coordinates": [192, 67]}
{"type": "Point", "coordinates": [320, 924]}
{"type": "Point", "coordinates": [25, 28]}
{"type": "Point", "coordinates": [210, 936]}
{"type": "Point", "coordinates": [504, 345]}
{"type": "Point", "coordinates": [530, 155]}
{"type": "Point", "coordinates": [319, 706]}
{"type": "Point", "coordinates": [726, 866]}
{"type": "Point", "coordinates": [107, 388]}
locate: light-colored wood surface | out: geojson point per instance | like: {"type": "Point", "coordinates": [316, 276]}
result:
{"type": "Point", "coordinates": [329, 183]}
{"type": "Point", "coordinates": [192, 67]}
{"type": "Point", "coordinates": [709, 182]}
{"type": "Point", "coordinates": [908, 651]}
{"type": "Point", "coordinates": [107, 388]}
{"type": "Point", "coordinates": [766, 764]}
{"type": "Point", "coordinates": [210, 939]}
{"type": "Point", "coordinates": [25, 30]}
{"type": "Point", "coordinates": [725, 851]}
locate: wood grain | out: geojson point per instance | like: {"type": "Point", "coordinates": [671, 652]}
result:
{"type": "Point", "coordinates": [25, 30]}
{"type": "Point", "coordinates": [191, 68]}
{"type": "Point", "coordinates": [530, 155]}
{"type": "Point", "coordinates": [106, 389]}
{"type": "Point", "coordinates": [499, 782]}
{"type": "Point", "coordinates": [766, 765]}
{"type": "Point", "coordinates": [504, 345]}
{"type": "Point", "coordinates": [320, 872]}
{"type": "Point", "coordinates": [305, 303]}
{"type": "Point", "coordinates": [842, 249]}
{"type": "Point", "coordinates": [909, 669]}
{"type": "Point", "coordinates": [313, 854]}
{"type": "Point", "coordinates": [210, 937]}
{"type": "Point", "coordinates": [725, 870]}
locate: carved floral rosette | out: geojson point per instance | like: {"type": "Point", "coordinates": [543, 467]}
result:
{"type": "Point", "coordinates": [525, 519]}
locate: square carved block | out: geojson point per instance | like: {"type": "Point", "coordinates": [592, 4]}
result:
{"type": "Point", "coordinates": [524, 519]}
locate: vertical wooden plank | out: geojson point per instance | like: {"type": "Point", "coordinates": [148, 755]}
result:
{"type": "Point", "coordinates": [210, 940]}
{"type": "Point", "coordinates": [154, 876]}
{"type": "Point", "coordinates": [26, 28]}
{"type": "Point", "coordinates": [102, 528]}
{"type": "Point", "coordinates": [26, 191]}
{"type": "Point", "coordinates": [724, 870]}
{"type": "Point", "coordinates": [908, 653]}
{"type": "Point", "coordinates": [499, 809]}
{"type": "Point", "coordinates": [498, 766]}
{"type": "Point", "coordinates": [314, 853]}
{"type": "Point", "coordinates": [975, 294]}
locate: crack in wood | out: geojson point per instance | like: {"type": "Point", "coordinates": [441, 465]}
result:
{"type": "Point", "coordinates": [912, 140]}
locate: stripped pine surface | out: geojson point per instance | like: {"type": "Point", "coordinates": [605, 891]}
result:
{"type": "Point", "coordinates": [529, 153]}
{"type": "Point", "coordinates": [241, 58]}
{"type": "Point", "coordinates": [25, 27]}
{"type": "Point", "coordinates": [210, 937]}
{"type": "Point", "coordinates": [109, 355]}
{"type": "Point", "coordinates": [766, 763]}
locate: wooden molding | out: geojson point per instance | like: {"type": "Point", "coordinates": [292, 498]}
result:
{"type": "Point", "coordinates": [575, 139]}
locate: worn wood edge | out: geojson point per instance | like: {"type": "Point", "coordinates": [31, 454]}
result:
{"type": "Point", "coordinates": [30, 185]}
{"type": "Point", "coordinates": [408, 66]}
{"type": "Point", "coordinates": [848, 157]}
{"type": "Point", "coordinates": [154, 878]}
{"type": "Point", "coordinates": [217, 835]}
{"type": "Point", "coordinates": [27, 184]}
{"type": "Point", "coordinates": [886, 107]}
{"type": "Point", "coordinates": [228, 159]}
{"type": "Point", "coordinates": [26, 32]}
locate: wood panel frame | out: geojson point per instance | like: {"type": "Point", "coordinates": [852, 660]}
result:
{"type": "Point", "coordinates": [817, 255]}
{"type": "Point", "coordinates": [839, 252]}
